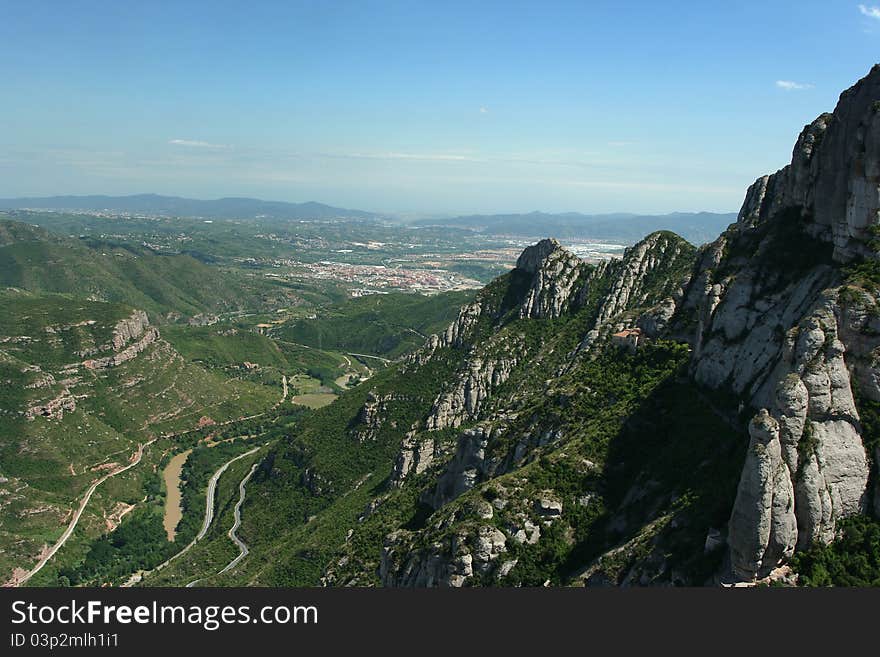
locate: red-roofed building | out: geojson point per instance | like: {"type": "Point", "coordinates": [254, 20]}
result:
{"type": "Point", "coordinates": [628, 338]}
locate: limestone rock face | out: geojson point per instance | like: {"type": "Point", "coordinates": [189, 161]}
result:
{"type": "Point", "coordinates": [655, 321]}
{"type": "Point", "coordinates": [555, 272]}
{"type": "Point", "coordinates": [469, 393]}
{"type": "Point", "coordinates": [458, 334]}
{"type": "Point", "coordinates": [533, 258]}
{"type": "Point", "coordinates": [772, 319]}
{"type": "Point", "coordinates": [834, 175]}
{"type": "Point", "coordinates": [492, 440]}
{"type": "Point", "coordinates": [370, 417]}
{"type": "Point", "coordinates": [763, 527]}
{"type": "Point", "coordinates": [778, 319]}
{"type": "Point", "coordinates": [465, 470]}
{"type": "Point", "coordinates": [799, 376]}
{"type": "Point", "coordinates": [129, 329]}
{"type": "Point", "coordinates": [448, 563]}
{"type": "Point", "coordinates": [130, 337]}
{"type": "Point", "coordinates": [145, 339]}
{"type": "Point", "coordinates": [415, 457]}
{"type": "Point", "coordinates": [459, 331]}
{"type": "Point", "coordinates": [633, 284]}
{"type": "Point", "coordinates": [53, 408]}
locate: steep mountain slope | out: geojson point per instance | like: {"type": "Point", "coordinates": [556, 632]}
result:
{"type": "Point", "coordinates": [82, 385]}
{"type": "Point", "coordinates": [386, 325]}
{"type": "Point", "coordinates": [782, 312]}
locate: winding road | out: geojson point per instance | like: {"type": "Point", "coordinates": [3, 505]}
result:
{"type": "Point", "coordinates": [209, 511]}
{"type": "Point", "coordinates": [212, 487]}
{"type": "Point", "coordinates": [243, 548]}
{"type": "Point", "coordinates": [235, 419]}
{"type": "Point", "coordinates": [76, 516]}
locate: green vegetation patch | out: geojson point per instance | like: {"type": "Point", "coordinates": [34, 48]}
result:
{"type": "Point", "coordinates": [852, 559]}
{"type": "Point", "coordinates": [386, 325]}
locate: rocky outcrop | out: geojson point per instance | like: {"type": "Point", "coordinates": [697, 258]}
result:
{"type": "Point", "coordinates": [129, 329]}
{"type": "Point", "coordinates": [763, 527]}
{"type": "Point", "coordinates": [451, 562]}
{"type": "Point", "coordinates": [130, 336]}
{"type": "Point", "coordinates": [655, 321]}
{"type": "Point", "coordinates": [548, 283]}
{"type": "Point", "coordinates": [472, 389]}
{"type": "Point", "coordinates": [316, 483]}
{"type": "Point", "coordinates": [415, 456]}
{"type": "Point", "coordinates": [467, 467]}
{"type": "Point", "coordinates": [457, 335]}
{"type": "Point", "coordinates": [772, 318]}
{"type": "Point", "coordinates": [647, 260]}
{"type": "Point", "coordinates": [370, 417]}
{"type": "Point", "coordinates": [555, 272]}
{"type": "Point", "coordinates": [55, 408]}
{"type": "Point", "coordinates": [645, 277]}
{"type": "Point", "coordinates": [147, 338]}
{"type": "Point", "coordinates": [470, 541]}
{"type": "Point", "coordinates": [43, 380]}
{"type": "Point", "coordinates": [834, 175]}
{"type": "Point", "coordinates": [781, 325]}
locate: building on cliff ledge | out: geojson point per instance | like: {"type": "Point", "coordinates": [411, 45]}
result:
{"type": "Point", "coordinates": [629, 339]}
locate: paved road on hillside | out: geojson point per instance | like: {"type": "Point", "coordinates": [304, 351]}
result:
{"type": "Point", "coordinates": [242, 547]}
{"type": "Point", "coordinates": [209, 517]}
{"type": "Point", "coordinates": [212, 487]}
{"type": "Point", "coordinates": [235, 419]}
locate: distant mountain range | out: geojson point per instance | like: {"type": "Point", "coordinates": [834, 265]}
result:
{"type": "Point", "coordinates": [222, 208]}
{"type": "Point", "coordinates": [696, 227]}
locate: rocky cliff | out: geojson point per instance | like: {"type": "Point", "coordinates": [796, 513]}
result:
{"type": "Point", "coordinates": [781, 312]}
{"type": "Point", "coordinates": [549, 282]}
{"type": "Point", "coordinates": [554, 272]}
{"type": "Point", "coordinates": [520, 358]}
{"type": "Point", "coordinates": [129, 337]}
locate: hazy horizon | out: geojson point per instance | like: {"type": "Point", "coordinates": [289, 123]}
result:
{"type": "Point", "coordinates": [494, 108]}
{"type": "Point", "coordinates": [411, 215]}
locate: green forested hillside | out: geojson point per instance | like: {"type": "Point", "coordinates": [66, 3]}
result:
{"type": "Point", "coordinates": [34, 260]}
{"type": "Point", "coordinates": [384, 325]}
{"type": "Point", "coordinates": [63, 424]}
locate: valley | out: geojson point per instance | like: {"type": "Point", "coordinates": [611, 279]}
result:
{"type": "Point", "coordinates": [89, 379]}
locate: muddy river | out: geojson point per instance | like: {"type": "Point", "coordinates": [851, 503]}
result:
{"type": "Point", "coordinates": [173, 510]}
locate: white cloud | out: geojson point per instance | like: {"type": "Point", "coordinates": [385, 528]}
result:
{"type": "Point", "coordinates": [484, 110]}
{"type": "Point", "coordinates": [788, 85]}
{"type": "Point", "coordinates": [197, 144]}
{"type": "Point", "coordinates": [427, 157]}
{"type": "Point", "coordinates": [870, 12]}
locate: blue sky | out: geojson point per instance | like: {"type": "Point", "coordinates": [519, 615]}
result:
{"type": "Point", "coordinates": [421, 107]}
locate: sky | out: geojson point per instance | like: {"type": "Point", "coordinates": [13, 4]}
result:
{"type": "Point", "coordinates": [423, 108]}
